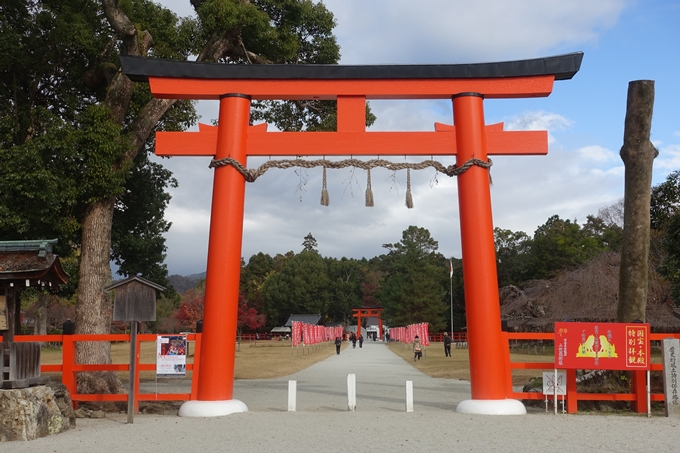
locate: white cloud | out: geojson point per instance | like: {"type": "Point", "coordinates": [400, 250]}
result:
{"type": "Point", "coordinates": [599, 154]}
{"type": "Point", "coordinates": [668, 159]}
{"type": "Point", "coordinates": [444, 31]}
{"type": "Point", "coordinates": [538, 121]}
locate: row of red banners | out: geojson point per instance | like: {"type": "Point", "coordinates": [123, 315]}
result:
{"type": "Point", "coordinates": [408, 333]}
{"type": "Point", "coordinates": [311, 334]}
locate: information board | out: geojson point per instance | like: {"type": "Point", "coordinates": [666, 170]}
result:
{"type": "Point", "coordinates": [171, 358]}
{"type": "Point", "coordinates": [602, 346]}
{"type": "Point", "coordinates": [4, 324]}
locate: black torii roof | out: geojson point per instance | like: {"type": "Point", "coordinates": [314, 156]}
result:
{"type": "Point", "coordinates": [139, 69]}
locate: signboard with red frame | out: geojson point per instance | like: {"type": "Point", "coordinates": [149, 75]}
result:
{"type": "Point", "coordinates": [602, 346]}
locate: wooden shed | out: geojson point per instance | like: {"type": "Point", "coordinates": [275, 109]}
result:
{"type": "Point", "coordinates": [135, 299]}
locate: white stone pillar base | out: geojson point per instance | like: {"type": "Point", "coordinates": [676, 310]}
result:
{"type": "Point", "coordinates": [491, 407]}
{"type": "Point", "coordinates": [211, 408]}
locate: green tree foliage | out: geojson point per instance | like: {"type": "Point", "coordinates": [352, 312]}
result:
{"type": "Point", "coordinates": [253, 276]}
{"type": "Point", "coordinates": [59, 61]}
{"type": "Point", "coordinates": [513, 256]}
{"type": "Point", "coordinates": [665, 222]}
{"type": "Point", "coordinates": [414, 289]}
{"type": "Point", "coordinates": [665, 203]}
{"type": "Point", "coordinates": [301, 287]}
{"type": "Point", "coordinates": [561, 245]}
{"type": "Point", "coordinates": [61, 82]}
{"type": "Point", "coordinates": [137, 242]}
{"type": "Point", "coordinates": [457, 296]}
{"type": "Point", "coordinates": [345, 278]}
{"type": "Point", "coordinates": [309, 244]}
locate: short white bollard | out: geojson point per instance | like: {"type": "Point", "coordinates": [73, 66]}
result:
{"type": "Point", "coordinates": [351, 392]}
{"type": "Point", "coordinates": [409, 396]}
{"type": "Point", "coordinates": [292, 395]}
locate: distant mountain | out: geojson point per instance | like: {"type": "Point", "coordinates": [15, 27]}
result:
{"type": "Point", "coordinates": [183, 283]}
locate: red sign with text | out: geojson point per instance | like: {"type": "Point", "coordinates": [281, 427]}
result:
{"type": "Point", "coordinates": [602, 346]}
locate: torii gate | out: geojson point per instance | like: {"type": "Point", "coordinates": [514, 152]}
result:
{"type": "Point", "coordinates": [368, 312]}
{"type": "Point", "coordinates": [236, 85]}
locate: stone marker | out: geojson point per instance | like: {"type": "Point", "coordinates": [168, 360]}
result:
{"type": "Point", "coordinates": [670, 351]}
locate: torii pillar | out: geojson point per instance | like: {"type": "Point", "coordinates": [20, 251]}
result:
{"type": "Point", "coordinates": [469, 138]}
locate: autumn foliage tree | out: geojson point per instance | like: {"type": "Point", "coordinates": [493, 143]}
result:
{"type": "Point", "coordinates": [190, 310]}
{"type": "Point", "coordinates": [248, 316]}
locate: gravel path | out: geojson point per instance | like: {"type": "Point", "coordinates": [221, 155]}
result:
{"type": "Point", "coordinates": [323, 423]}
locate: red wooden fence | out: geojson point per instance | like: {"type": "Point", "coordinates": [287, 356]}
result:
{"type": "Point", "coordinates": [68, 368]}
{"type": "Point", "coordinates": [638, 394]}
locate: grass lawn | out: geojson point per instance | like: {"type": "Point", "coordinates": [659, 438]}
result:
{"type": "Point", "coordinates": [434, 363]}
{"type": "Point", "coordinates": [265, 359]}
{"type": "Point", "coordinates": [268, 359]}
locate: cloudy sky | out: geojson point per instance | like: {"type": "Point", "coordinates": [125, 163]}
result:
{"type": "Point", "coordinates": [623, 40]}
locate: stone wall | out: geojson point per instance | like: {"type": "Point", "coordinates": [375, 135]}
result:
{"type": "Point", "coordinates": [34, 412]}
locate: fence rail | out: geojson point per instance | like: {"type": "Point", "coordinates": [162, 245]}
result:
{"type": "Point", "coordinates": [69, 367]}
{"type": "Point", "coordinates": [637, 395]}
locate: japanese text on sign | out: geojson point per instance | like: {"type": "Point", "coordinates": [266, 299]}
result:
{"type": "Point", "coordinates": [606, 346]}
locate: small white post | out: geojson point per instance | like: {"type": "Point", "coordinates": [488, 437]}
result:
{"type": "Point", "coordinates": [351, 392]}
{"type": "Point", "coordinates": [555, 391]}
{"type": "Point", "coordinates": [649, 394]}
{"type": "Point", "coordinates": [292, 395]}
{"type": "Point", "coordinates": [409, 396]}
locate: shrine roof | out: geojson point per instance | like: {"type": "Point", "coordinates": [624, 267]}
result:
{"type": "Point", "coordinates": [313, 319]}
{"type": "Point", "coordinates": [17, 266]}
{"type": "Point", "coordinates": [563, 67]}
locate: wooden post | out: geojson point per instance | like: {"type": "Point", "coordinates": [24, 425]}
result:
{"type": "Point", "coordinates": [133, 362]}
{"type": "Point", "coordinates": [638, 155]}
{"type": "Point", "coordinates": [68, 377]}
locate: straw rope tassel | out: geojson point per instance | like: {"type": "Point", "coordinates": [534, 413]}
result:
{"type": "Point", "coordinates": [409, 197]}
{"type": "Point", "coordinates": [325, 199]}
{"type": "Point", "coordinates": [369, 191]}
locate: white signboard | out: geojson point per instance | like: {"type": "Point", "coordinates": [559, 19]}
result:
{"type": "Point", "coordinates": [171, 356]}
{"type": "Point", "coordinates": [550, 385]}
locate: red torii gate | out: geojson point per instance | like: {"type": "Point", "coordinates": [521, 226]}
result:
{"type": "Point", "coordinates": [368, 312]}
{"type": "Point", "coordinates": [469, 138]}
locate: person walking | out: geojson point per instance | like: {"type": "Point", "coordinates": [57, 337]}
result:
{"type": "Point", "coordinates": [338, 343]}
{"type": "Point", "coordinates": [447, 345]}
{"type": "Point", "coordinates": [361, 341]}
{"type": "Point", "coordinates": [417, 349]}
{"type": "Point", "coordinates": [353, 339]}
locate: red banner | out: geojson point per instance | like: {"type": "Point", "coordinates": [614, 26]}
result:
{"type": "Point", "coordinates": [602, 346]}
{"type": "Point", "coordinates": [297, 333]}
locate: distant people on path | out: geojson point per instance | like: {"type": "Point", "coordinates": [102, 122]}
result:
{"type": "Point", "coordinates": [417, 349]}
{"type": "Point", "coordinates": [353, 339]}
{"type": "Point", "coordinates": [338, 343]}
{"type": "Point", "coordinates": [361, 341]}
{"type": "Point", "coordinates": [447, 345]}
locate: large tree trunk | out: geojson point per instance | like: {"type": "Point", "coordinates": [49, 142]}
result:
{"type": "Point", "coordinates": [638, 155]}
{"type": "Point", "coordinates": [40, 326]}
{"type": "Point", "coordinates": [94, 306]}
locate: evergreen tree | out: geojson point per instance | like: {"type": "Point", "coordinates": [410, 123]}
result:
{"type": "Point", "coordinates": [415, 287]}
